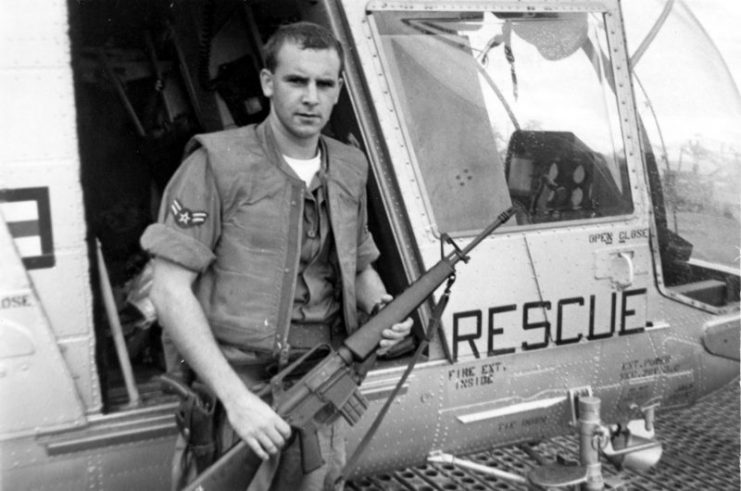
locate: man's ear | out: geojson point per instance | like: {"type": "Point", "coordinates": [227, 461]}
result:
{"type": "Point", "coordinates": [266, 82]}
{"type": "Point", "coordinates": [340, 83]}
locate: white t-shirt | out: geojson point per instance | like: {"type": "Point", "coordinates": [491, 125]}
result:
{"type": "Point", "coordinates": [305, 168]}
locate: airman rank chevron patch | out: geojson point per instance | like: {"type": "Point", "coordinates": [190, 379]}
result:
{"type": "Point", "coordinates": [186, 218]}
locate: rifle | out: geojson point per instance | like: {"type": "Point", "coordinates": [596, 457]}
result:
{"type": "Point", "coordinates": [330, 387]}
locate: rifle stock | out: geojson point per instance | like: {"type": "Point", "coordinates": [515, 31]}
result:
{"type": "Point", "coordinates": [233, 471]}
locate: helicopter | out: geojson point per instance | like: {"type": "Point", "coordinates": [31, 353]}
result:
{"type": "Point", "coordinates": [613, 291]}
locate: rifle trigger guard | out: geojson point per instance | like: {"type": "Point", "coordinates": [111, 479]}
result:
{"type": "Point", "coordinates": [458, 252]}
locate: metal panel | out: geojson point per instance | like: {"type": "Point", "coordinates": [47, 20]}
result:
{"type": "Point", "coordinates": [41, 152]}
{"type": "Point", "coordinates": [79, 353]}
{"type": "Point", "coordinates": [37, 81]}
{"type": "Point", "coordinates": [684, 340]}
{"type": "Point", "coordinates": [721, 336]}
{"type": "Point", "coordinates": [35, 360]}
{"type": "Point", "coordinates": [70, 315]}
{"type": "Point", "coordinates": [34, 33]}
{"type": "Point", "coordinates": [41, 101]}
{"type": "Point", "coordinates": [129, 450]}
{"type": "Point", "coordinates": [413, 414]}
{"type": "Point", "coordinates": [615, 280]}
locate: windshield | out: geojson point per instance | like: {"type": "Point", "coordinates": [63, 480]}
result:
{"type": "Point", "coordinates": [692, 118]}
{"type": "Point", "coordinates": [504, 108]}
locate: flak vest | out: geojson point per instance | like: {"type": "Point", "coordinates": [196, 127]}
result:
{"type": "Point", "coordinates": [248, 290]}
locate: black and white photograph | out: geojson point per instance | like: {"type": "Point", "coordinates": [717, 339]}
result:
{"type": "Point", "coordinates": [370, 245]}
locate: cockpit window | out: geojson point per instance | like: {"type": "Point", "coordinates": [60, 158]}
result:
{"type": "Point", "coordinates": [504, 108]}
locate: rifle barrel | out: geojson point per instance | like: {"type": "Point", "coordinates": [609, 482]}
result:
{"type": "Point", "coordinates": [501, 219]}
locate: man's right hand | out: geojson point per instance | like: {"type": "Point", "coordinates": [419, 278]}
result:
{"type": "Point", "coordinates": [258, 425]}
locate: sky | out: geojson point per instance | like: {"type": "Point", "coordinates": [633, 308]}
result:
{"type": "Point", "coordinates": [688, 88]}
{"type": "Point", "coordinates": [721, 20]}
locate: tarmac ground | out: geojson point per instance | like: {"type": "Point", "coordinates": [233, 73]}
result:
{"type": "Point", "coordinates": [700, 452]}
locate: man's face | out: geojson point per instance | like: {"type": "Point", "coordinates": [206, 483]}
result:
{"type": "Point", "coordinates": [303, 89]}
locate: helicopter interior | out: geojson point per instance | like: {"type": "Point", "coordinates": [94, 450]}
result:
{"type": "Point", "coordinates": [555, 176]}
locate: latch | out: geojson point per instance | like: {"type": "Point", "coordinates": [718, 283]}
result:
{"type": "Point", "coordinates": [620, 265]}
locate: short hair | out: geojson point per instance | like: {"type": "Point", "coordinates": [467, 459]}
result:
{"type": "Point", "coordinates": [306, 35]}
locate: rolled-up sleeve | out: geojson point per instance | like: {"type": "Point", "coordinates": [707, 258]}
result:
{"type": "Point", "coordinates": [189, 218]}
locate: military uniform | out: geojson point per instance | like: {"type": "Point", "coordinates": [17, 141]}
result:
{"type": "Point", "coordinates": [277, 259]}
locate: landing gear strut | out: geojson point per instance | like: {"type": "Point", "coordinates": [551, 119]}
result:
{"type": "Point", "coordinates": [619, 445]}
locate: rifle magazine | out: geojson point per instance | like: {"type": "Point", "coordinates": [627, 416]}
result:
{"type": "Point", "coordinates": [354, 408]}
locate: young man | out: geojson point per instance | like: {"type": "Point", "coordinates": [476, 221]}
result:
{"type": "Point", "coordinates": [263, 250]}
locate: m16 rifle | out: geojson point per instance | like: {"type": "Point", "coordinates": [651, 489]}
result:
{"type": "Point", "coordinates": [329, 389]}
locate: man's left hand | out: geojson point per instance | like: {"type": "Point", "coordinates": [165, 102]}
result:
{"type": "Point", "coordinates": [394, 334]}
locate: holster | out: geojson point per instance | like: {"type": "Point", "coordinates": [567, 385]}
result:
{"type": "Point", "coordinates": [197, 419]}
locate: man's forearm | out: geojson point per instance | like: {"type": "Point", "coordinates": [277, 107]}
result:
{"type": "Point", "coordinates": [183, 318]}
{"type": "Point", "coordinates": [181, 314]}
{"type": "Point", "coordinates": [369, 289]}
